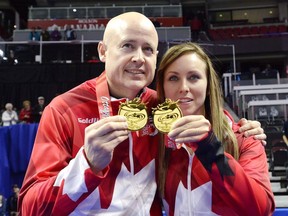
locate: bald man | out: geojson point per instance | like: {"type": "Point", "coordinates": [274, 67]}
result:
{"type": "Point", "coordinates": [85, 161]}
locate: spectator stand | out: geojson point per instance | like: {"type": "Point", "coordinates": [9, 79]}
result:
{"type": "Point", "coordinates": [281, 105]}
{"type": "Point", "coordinates": [240, 87]}
{"type": "Point", "coordinates": [86, 37]}
{"type": "Point", "coordinates": [248, 31]}
{"type": "Point", "coordinates": [259, 95]}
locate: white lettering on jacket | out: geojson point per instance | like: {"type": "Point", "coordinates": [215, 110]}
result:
{"type": "Point", "coordinates": [87, 120]}
{"type": "Point", "coordinates": [105, 103]}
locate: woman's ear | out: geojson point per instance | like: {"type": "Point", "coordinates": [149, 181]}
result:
{"type": "Point", "coordinates": [102, 51]}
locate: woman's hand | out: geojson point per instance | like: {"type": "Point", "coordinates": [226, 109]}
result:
{"type": "Point", "coordinates": [191, 128]}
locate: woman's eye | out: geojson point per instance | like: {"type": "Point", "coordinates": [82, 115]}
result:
{"type": "Point", "coordinates": [194, 77]}
{"type": "Point", "coordinates": [173, 78]}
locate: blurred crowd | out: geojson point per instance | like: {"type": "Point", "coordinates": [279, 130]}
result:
{"type": "Point", "coordinates": [52, 35]}
{"type": "Point", "coordinates": [8, 206]}
{"type": "Point", "coordinates": [27, 114]}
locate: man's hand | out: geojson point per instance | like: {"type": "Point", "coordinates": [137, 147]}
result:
{"type": "Point", "coordinates": [252, 128]}
{"type": "Point", "coordinates": [101, 138]}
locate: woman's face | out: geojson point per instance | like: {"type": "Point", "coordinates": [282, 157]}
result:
{"type": "Point", "coordinates": [186, 80]}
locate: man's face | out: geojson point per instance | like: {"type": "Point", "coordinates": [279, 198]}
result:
{"type": "Point", "coordinates": [130, 59]}
{"type": "Point", "coordinates": [41, 101]}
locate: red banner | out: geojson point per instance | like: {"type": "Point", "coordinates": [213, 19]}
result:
{"type": "Point", "coordinates": [93, 23]}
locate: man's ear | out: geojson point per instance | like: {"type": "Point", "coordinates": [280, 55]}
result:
{"type": "Point", "coordinates": [102, 51]}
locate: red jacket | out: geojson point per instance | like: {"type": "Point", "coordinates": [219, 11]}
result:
{"type": "Point", "coordinates": [59, 180]}
{"type": "Point", "coordinates": [26, 116]}
{"type": "Point", "coordinates": [212, 182]}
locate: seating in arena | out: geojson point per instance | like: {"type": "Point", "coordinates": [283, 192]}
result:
{"type": "Point", "coordinates": [279, 158]}
{"type": "Point", "coordinates": [222, 33]}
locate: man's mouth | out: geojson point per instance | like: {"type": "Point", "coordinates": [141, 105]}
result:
{"type": "Point", "coordinates": [135, 72]}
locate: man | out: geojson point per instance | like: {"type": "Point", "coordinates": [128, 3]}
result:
{"type": "Point", "coordinates": [85, 161]}
{"type": "Point", "coordinates": [12, 201]}
{"type": "Point", "coordinates": [69, 33]}
{"type": "Point", "coordinates": [38, 109]}
{"type": "Point", "coordinates": [82, 168]}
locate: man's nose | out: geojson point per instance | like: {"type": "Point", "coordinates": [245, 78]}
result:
{"type": "Point", "coordinates": [138, 56]}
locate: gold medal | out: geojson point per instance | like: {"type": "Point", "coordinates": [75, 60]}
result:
{"type": "Point", "coordinates": [165, 114]}
{"type": "Point", "coordinates": [135, 113]}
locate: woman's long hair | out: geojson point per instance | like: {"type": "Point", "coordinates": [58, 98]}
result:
{"type": "Point", "coordinates": [213, 104]}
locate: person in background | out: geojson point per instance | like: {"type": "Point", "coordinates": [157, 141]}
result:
{"type": "Point", "coordinates": [195, 26]}
{"type": "Point", "coordinates": [93, 163]}
{"type": "Point", "coordinates": [93, 59]}
{"type": "Point", "coordinates": [38, 109]}
{"type": "Point", "coordinates": [69, 33]}
{"type": "Point", "coordinates": [12, 201]}
{"type": "Point", "coordinates": [268, 72]}
{"type": "Point", "coordinates": [3, 202]}
{"type": "Point", "coordinates": [26, 115]}
{"type": "Point", "coordinates": [208, 167]}
{"type": "Point", "coordinates": [34, 35]}
{"type": "Point", "coordinates": [9, 116]}
{"type": "Point", "coordinates": [45, 35]}
{"type": "Point", "coordinates": [55, 34]}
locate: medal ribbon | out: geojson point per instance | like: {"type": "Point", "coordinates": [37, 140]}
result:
{"type": "Point", "coordinates": [103, 96]}
{"type": "Point", "coordinates": [169, 143]}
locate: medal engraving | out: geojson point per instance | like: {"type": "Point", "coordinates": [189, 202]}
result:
{"type": "Point", "coordinates": [165, 114]}
{"type": "Point", "coordinates": [135, 113]}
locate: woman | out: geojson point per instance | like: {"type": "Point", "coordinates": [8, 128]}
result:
{"type": "Point", "coordinates": [9, 116]}
{"type": "Point", "coordinates": [26, 115]}
{"type": "Point", "coordinates": [215, 170]}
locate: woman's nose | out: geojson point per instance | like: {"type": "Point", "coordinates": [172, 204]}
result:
{"type": "Point", "coordinates": [184, 87]}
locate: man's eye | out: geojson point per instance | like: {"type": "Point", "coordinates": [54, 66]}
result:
{"type": "Point", "coordinates": [148, 50]}
{"type": "Point", "coordinates": [127, 46]}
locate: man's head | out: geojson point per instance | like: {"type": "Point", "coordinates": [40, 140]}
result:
{"type": "Point", "coordinates": [129, 50]}
{"type": "Point", "coordinates": [41, 100]}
